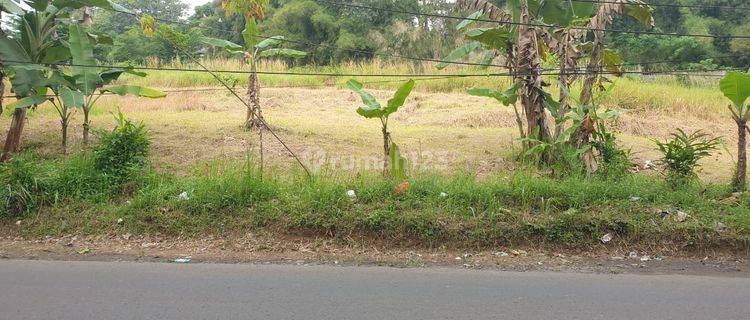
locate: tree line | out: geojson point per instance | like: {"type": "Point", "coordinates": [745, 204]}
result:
{"type": "Point", "coordinates": [350, 34]}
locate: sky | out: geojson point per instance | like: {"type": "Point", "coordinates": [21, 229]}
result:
{"type": "Point", "coordinates": [195, 3]}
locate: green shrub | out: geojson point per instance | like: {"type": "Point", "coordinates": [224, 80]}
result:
{"type": "Point", "coordinates": [614, 160]}
{"type": "Point", "coordinates": [680, 155]}
{"type": "Point", "coordinates": [20, 186]}
{"type": "Point", "coordinates": [123, 151]}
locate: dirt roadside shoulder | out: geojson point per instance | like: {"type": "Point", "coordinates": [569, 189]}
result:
{"type": "Point", "coordinates": [255, 249]}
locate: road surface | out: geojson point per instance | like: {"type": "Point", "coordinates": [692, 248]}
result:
{"type": "Point", "coordinates": [125, 290]}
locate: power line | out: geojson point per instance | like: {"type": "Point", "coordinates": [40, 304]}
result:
{"type": "Point", "coordinates": [540, 71]}
{"type": "Point", "coordinates": [320, 74]}
{"type": "Point", "coordinates": [669, 5]}
{"type": "Point", "coordinates": [654, 33]}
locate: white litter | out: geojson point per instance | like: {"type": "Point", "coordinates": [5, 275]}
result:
{"type": "Point", "coordinates": [184, 196]}
{"type": "Point", "coordinates": [183, 260]}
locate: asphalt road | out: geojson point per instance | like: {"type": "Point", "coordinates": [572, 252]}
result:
{"type": "Point", "coordinates": [123, 290]}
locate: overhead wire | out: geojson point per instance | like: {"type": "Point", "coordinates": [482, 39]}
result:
{"type": "Point", "coordinates": [434, 15]}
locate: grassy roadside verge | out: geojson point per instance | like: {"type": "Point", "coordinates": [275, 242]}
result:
{"type": "Point", "coordinates": [67, 196]}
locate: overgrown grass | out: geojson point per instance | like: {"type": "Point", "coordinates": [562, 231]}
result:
{"type": "Point", "coordinates": [461, 210]}
{"type": "Point", "coordinates": [665, 93]}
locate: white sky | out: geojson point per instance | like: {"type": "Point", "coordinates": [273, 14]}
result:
{"type": "Point", "coordinates": [195, 3]}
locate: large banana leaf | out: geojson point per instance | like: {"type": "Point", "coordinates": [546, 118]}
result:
{"type": "Point", "coordinates": [492, 38]}
{"type": "Point", "coordinates": [137, 91]}
{"type": "Point", "coordinates": [372, 108]}
{"type": "Point", "coordinates": [23, 78]}
{"type": "Point", "coordinates": [270, 42]}
{"type": "Point", "coordinates": [642, 13]}
{"type": "Point", "coordinates": [221, 43]}
{"type": "Point", "coordinates": [27, 102]}
{"type": "Point", "coordinates": [250, 33]}
{"type": "Point", "coordinates": [87, 77]}
{"type": "Point", "coordinates": [71, 98]}
{"type": "Point", "coordinates": [470, 20]}
{"type": "Point", "coordinates": [56, 54]}
{"type": "Point", "coordinates": [507, 97]}
{"type": "Point", "coordinates": [458, 54]}
{"type": "Point", "coordinates": [736, 87]}
{"type": "Point", "coordinates": [286, 53]}
{"type": "Point", "coordinates": [399, 98]}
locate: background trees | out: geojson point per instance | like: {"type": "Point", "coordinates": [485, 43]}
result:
{"type": "Point", "coordinates": [356, 31]}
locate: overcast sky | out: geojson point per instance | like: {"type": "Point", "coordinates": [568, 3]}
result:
{"type": "Point", "coordinates": [194, 3]}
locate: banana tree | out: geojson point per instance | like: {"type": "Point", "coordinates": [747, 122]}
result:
{"type": "Point", "coordinates": [522, 48]}
{"type": "Point", "coordinates": [374, 110]}
{"type": "Point", "coordinates": [599, 57]}
{"type": "Point", "coordinates": [38, 43]}
{"type": "Point", "coordinates": [736, 87]}
{"type": "Point", "coordinates": [527, 32]}
{"type": "Point", "coordinates": [253, 52]}
{"type": "Point", "coordinates": [66, 100]}
{"type": "Point", "coordinates": [90, 80]}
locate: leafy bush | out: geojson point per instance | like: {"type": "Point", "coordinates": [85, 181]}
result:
{"type": "Point", "coordinates": [680, 155]}
{"type": "Point", "coordinates": [614, 160]}
{"type": "Point", "coordinates": [122, 151]}
{"type": "Point", "coordinates": [20, 186]}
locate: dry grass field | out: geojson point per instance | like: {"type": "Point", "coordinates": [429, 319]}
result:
{"type": "Point", "coordinates": [439, 130]}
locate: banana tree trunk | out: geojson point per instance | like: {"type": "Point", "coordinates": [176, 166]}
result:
{"type": "Point", "coordinates": [64, 127]}
{"type": "Point", "coordinates": [13, 139]}
{"type": "Point", "coordinates": [600, 21]}
{"type": "Point", "coordinates": [568, 63]}
{"type": "Point", "coordinates": [582, 135]}
{"type": "Point", "coordinates": [740, 178]}
{"type": "Point", "coordinates": [86, 125]}
{"type": "Point", "coordinates": [386, 150]}
{"type": "Point", "coordinates": [528, 71]}
{"type": "Point", "coordinates": [254, 115]}
{"type": "Point", "coordinates": [510, 65]}
{"type": "Point", "coordinates": [2, 74]}
{"type": "Point", "coordinates": [2, 88]}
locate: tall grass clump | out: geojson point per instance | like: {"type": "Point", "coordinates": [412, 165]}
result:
{"type": "Point", "coordinates": [21, 186]}
{"type": "Point", "coordinates": [122, 152]}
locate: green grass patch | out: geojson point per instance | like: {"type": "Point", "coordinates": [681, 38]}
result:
{"type": "Point", "coordinates": [68, 196]}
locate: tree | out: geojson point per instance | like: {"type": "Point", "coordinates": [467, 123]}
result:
{"type": "Point", "coordinates": [87, 80]}
{"type": "Point", "coordinates": [304, 22]}
{"type": "Point", "coordinates": [601, 59]}
{"type": "Point", "coordinates": [253, 51]}
{"type": "Point", "coordinates": [736, 87]}
{"type": "Point", "coordinates": [36, 45]}
{"type": "Point", "coordinates": [529, 31]}
{"type": "Point", "coordinates": [374, 110]}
